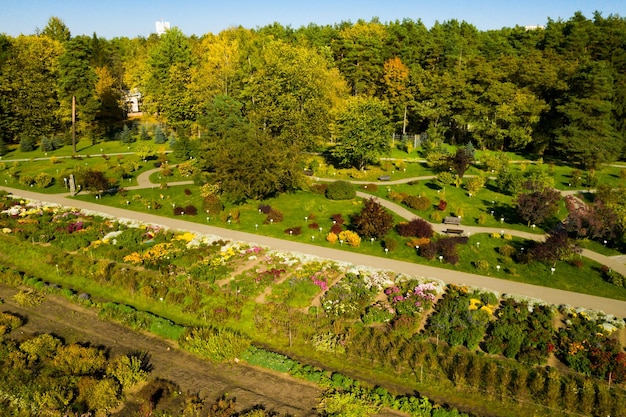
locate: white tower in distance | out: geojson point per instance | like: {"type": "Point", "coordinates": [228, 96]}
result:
{"type": "Point", "coordinates": [162, 27]}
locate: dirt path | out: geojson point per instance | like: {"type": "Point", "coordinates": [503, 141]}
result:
{"type": "Point", "coordinates": [250, 386]}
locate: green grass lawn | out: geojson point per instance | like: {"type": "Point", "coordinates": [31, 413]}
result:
{"type": "Point", "coordinates": [318, 209]}
{"type": "Point", "coordinates": [83, 147]}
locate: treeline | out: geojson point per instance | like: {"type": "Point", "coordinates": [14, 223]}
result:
{"type": "Point", "coordinates": [558, 91]}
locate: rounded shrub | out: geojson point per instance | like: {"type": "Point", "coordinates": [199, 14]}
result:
{"type": "Point", "coordinates": [340, 190]}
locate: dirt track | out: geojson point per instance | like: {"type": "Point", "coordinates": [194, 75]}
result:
{"type": "Point", "coordinates": [249, 386]}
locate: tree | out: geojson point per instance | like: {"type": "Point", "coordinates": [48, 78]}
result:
{"type": "Point", "coordinates": [108, 94]}
{"type": "Point", "coordinates": [57, 30]}
{"type": "Point", "coordinates": [77, 79]}
{"type": "Point", "coordinates": [94, 181]}
{"type": "Point", "coordinates": [249, 163]}
{"type": "Point", "coordinates": [3, 147]}
{"type": "Point", "coordinates": [556, 247]}
{"type": "Point", "coordinates": [292, 92]}
{"type": "Point", "coordinates": [363, 132]}
{"type": "Point", "coordinates": [587, 135]}
{"type": "Point", "coordinates": [159, 136]}
{"type": "Point", "coordinates": [167, 79]}
{"type": "Point", "coordinates": [373, 220]}
{"type": "Point", "coordinates": [28, 98]}
{"type": "Point", "coordinates": [360, 55]}
{"type": "Point", "coordinates": [537, 205]}
{"type": "Point", "coordinates": [126, 135]}
{"type": "Point", "coordinates": [462, 159]}
{"type": "Point", "coordinates": [183, 147]}
{"type": "Point", "coordinates": [397, 92]}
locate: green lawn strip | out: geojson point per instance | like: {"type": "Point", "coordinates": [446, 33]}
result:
{"type": "Point", "coordinates": [84, 147]}
{"type": "Point", "coordinates": [62, 168]}
{"type": "Point", "coordinates": [597, 247]}
{"type": "Point", "coordinates": [586, 280]}
{"type": "Point", "coordinates": [471, 209]}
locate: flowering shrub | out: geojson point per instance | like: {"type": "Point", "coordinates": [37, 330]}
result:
{"type": "Point", "coordinates": [589, 345]}
{"type": "Point", "coordinates": [332, 238]}
{"type": "Point", "coordinates": [348, 297]}
{"type": "Point", "coordinates": [379, 312]}
{"type": "Point", "coordinates": [454, 322]}
{"type": "Point", "coordinates": [351, 238]}
{"type": "Point", "coordinates": [411, 298]}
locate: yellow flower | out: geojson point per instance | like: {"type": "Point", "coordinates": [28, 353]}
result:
{"type": "Point", "coordinates": [186, 237]}
{"type": "Point", "coordinates": [133, 258]}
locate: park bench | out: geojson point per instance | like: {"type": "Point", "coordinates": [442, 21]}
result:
{"type": "Point", "coordinates": [453, 231]}
{"type": "Point", "coordinates": [384, 178]}
{"type": "Point", "coordinates": [452, 220]}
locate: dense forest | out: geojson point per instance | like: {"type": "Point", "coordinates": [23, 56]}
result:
{"type": "Point", "coordinates": [557, 91]}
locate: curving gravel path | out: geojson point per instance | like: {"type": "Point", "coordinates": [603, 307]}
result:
{"type": "Point", "coordinates": [554, 296]}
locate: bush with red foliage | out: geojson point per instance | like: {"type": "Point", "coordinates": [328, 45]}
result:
{"type": "Point", "coordinates": [336, 228]}
{"type": "Point", "coordinates": [294, 231]}
{"type": "Point", "coordinates": [265, 209]}
{"type": "Point", "coordinates": [338, 218]}
{"type": "Point", "coordinates": [314, 225]}
{"type": "Point", "coordinates": [187, 191]}
{"type": "Point", "coordinates": [415, 228]}
{"type": "Point", "coordinates": [446, 247]}
{"type": "Point", "coordinates": [442, 205]}
{"type": "Point", "coordinates": [373, 220]}
{"type": "Point", "coordinates": [274, 216]}
{"type": "Point", "coordinates": [191, 210]}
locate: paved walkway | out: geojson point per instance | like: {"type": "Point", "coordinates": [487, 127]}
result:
{"type": "Point", "coordinates": [554, 296]}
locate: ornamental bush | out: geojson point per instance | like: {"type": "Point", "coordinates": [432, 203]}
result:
{"type": "Point", "coordinates": [417, 202]}
{"type": "Point", "coordinates": [43, 180]}
{"type": "Point", "coordinates": [351, 238]}
{"type": "Point", "coordinates": [373, 220]}
{"type": "Point", "coordinates": [340, 190]}
{"type": "Point", "coordinates": [274, 216]}
{"type": "Point", "coordinates": [415, 228]}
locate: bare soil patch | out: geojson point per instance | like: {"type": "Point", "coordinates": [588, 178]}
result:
{"type": "Point", "coordinates": [250, 386]}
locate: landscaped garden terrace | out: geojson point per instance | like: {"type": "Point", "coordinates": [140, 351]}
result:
{"type": "Point", "coordinates": [484, 352]}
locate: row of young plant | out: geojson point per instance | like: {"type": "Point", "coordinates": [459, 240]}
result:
{"type": "Point", "coordinates": [41, 375]}
{"type": "Point", "coordinates": [222, 344]}
{"type": "Point", "coordinates": [353, 298]}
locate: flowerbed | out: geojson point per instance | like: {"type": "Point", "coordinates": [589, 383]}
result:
{"type": "Point", "coordinates": [522, 331]}
{"type": "Point", "coordinates": [588, 344]}
{"type": "Point", "coordinates": [305, 283]}
{"type": "Point", "coordinates": [462, 316]}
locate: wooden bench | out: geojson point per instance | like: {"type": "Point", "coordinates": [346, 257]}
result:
{"type": "Point", "coordinates": [452, 220]}
{"type": "Point", "coordinates": [384, 178]}
{"type": "Point", "coordinates": [453, 231]}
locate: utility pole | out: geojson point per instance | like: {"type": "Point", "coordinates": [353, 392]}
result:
{"type": "Point", "coordinates": [74, 123]}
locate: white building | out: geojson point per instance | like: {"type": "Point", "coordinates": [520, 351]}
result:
{"type": "Point", "coordinates": [162, 27]}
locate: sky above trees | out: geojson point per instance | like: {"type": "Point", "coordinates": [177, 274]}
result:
{"type": "Point", "coordinates": [117, 18]}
